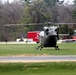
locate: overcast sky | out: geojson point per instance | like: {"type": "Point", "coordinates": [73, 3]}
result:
{"type": "Point", "coordinates": [70, 1]}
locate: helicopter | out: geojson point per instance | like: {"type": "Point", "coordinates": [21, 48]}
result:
{"type": "Point", "coordinates": [49, 36]}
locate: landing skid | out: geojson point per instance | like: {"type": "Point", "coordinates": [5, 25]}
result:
{"type": "Point", "coordinates": [40, 47]}
{"type": "Point", "coordinates": [57, 48]}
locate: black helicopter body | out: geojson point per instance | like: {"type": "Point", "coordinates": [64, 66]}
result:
{"type": "Point", "coordinates": [49, 37]}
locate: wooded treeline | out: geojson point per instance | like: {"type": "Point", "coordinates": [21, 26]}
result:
{"type": "Point", "coordinates": [34, 11]}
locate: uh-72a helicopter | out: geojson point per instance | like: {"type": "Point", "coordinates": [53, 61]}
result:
{"type": "Point", "coordinates": [49, 35]}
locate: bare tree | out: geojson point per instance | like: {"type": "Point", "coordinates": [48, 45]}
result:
{"type": "Point", "coordinates": [9, 13]}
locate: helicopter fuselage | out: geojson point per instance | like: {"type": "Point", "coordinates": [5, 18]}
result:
{"type": "Point", "coordinates": [48, 37]}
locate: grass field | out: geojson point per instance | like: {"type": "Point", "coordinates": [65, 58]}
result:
{"type": "Point", "coordinates": [30, 49]}
{"type": "Point", "coordinates": [60, 68]}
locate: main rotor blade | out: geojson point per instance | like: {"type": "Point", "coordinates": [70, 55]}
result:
{"type": "Point", "coordinates": [24, 24]}
{"type": "Point", "coordinates": [64, 23]}
{"type": "Point", "coordinates": [36, 24]}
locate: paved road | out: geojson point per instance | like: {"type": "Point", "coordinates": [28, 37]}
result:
{"type": "Point", "coordinates": [37, 58]}
{"type": "Point", "coordinates": [14, 42]}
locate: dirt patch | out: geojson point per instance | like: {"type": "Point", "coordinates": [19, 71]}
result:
{"type": "Point", "coordinates": [32, 55]}
{"type": "Point", "coordinates": [28, 55]}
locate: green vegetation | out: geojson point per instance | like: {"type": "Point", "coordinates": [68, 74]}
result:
{"type": "Point", "coordinates": [30, 49]}
{"type": "Point", "coordinates": [50, 68]}
{"type": "Point", "coordinates": [60, 68]}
